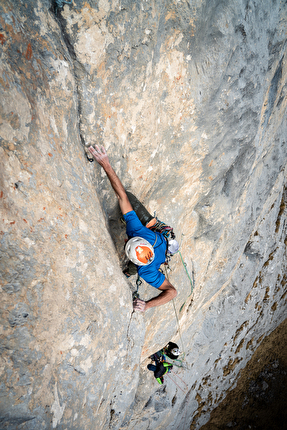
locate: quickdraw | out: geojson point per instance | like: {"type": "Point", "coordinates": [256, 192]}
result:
{"type": "Point", "coordinates": [136, 293]}
{"type": "Point", "coordinates": [164, 229]}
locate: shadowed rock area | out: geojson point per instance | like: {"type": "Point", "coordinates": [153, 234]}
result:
{"type": "Point", "coordinates": [258, 400]}
{"type": "Point", "coordinates": [189, 99]}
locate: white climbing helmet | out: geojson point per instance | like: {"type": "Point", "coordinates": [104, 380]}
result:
{"type": "Point", "coordinates": [175, 351]}
{"type": "Point", "coordinates": [139, 251]}
{"type": "Point", "coordinates": [173, 246]}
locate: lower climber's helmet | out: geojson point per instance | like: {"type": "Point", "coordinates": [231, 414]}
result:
{"type": "Point", "coordinates": [139, 251]}
{"type": "Point", "coordinates": [175, 351]}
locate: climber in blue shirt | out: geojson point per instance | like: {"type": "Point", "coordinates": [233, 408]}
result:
{"type": "Point", "coordinates": [145, 248]}
{"type": "Point", "coordinates": [150, 273]}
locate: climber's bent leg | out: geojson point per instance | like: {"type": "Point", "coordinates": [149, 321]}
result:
{"type": "Point", "coordinates": [143, 214]}
{"type": "Point", "coordinates": [151, 367]}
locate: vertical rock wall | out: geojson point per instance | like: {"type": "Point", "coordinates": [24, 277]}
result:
{"type": "Point", "coordinates": [189, 98]}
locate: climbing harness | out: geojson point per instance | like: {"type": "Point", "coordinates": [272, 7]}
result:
{"type": "Point", "coordinates": [161, 366]}
{"type": "Point", "coordinates": [164, 369]}
{"type": "Point", "coordinates": [162, 228]}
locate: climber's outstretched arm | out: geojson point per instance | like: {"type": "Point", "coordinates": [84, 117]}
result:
{"type": "Point", "coordinates": [101, 157]}
{"type": "Point", "coordinates": [168, 293]}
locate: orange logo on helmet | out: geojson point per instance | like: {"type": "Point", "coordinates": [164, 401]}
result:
{"type": "Point", "coordinates": [144, 254]}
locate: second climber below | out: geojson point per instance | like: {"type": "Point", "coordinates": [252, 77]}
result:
{"type": "Point", "coordinates": [147, 249]}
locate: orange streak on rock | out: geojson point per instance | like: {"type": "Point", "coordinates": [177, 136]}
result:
{"type": "Point", "coordinates": [29, 52]}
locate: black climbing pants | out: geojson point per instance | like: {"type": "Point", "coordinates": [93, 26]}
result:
{"type": "Point", "coordinates": [143, 214]}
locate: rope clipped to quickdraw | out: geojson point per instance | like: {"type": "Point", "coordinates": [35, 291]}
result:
{"type": "Point", "coordinates": [138, 283]}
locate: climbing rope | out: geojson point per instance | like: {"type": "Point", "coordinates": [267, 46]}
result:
{"type": "Point", "coordinates": [168, 231]}
{"type": "Point", "coordinates": [176, 316]}
{"type": "Point", "coordinates": [185, 268]}
{"type": "Point", "coordinates": [167, 374]}
{"type": "Point", "coordinates": [190, 280]}
{"type": "Point", "coordinates": [179, 360]}
{"type": "Point", "coordinates": [184, 383]}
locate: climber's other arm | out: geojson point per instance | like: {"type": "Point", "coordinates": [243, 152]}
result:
{"type": "Point", "coordinates": [168, 293]}
{"type": "Point", "coordinates": [101, 157]}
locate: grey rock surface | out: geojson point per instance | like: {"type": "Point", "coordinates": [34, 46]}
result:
{"type": "Point", "coordinates": [189, 98]}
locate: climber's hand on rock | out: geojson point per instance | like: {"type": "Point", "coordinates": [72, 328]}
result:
{"type": "Point", "coordinates": [139, 305]}
{"type": "Point", "coordinates": [100, 156]}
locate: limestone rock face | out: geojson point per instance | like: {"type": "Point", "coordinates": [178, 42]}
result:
{"type": "Point", "coordinates": [189, 99]}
